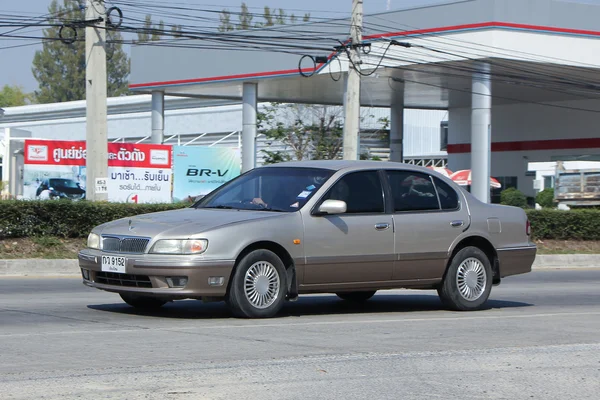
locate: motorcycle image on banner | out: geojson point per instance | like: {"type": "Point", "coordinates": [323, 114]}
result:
{"type": "Point", "coordinates": [137, 173]}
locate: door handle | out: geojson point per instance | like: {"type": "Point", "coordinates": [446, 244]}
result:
{"type": "Point", "coordinates": [457, 224]}
{"type": "Point", "coordinates": [382, 226]}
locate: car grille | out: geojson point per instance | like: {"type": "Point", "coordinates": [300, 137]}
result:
{"type": "Point", "coordinates": [124, 245]}
{"type": "Point", "coordinates": [111, 278]}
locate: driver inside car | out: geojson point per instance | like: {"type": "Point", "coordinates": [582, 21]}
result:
{"type": "Point", "coordinates": [286, 197]}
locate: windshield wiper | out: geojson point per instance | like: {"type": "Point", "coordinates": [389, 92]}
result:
{"type": "Point", "coordinates": [269, 209]}
{"type": "Point", "coordinates": [222, 207]}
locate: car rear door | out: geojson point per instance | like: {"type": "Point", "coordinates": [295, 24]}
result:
{"type": "Point", "coordinates": [428, 217]}
{"type": "Point", "coordinates": [357, 246]}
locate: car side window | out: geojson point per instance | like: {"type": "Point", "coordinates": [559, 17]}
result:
{"type": "Point", "coordinates": [412, 191]}
{"type": "Point", "coordinates": [362, 192]}
{"type": "Point", "coordinates": [448, 196]}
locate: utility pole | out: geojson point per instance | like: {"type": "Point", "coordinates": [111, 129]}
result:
{"type": "Point", "coordinates": [95, 94]}
{"type": "Point", "coordinates": [352, 101]}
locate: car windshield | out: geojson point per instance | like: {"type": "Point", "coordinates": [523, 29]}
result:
{"type": "Point", "coordinates": [283, 189]}
{"type": "Point", "coordinates": [63, 183]}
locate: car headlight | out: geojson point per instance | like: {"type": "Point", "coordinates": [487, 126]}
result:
{"type": "Point", "coordinates": [93, 241]}
{"type": "Point", "coordinates": [177, 246]}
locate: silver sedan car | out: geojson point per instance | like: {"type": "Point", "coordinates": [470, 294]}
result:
{"type": "Point", "coordinates": [344, 227]}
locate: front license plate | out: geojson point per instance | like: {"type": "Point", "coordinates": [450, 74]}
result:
{"type": "Point", "coordinates": [113, 264]}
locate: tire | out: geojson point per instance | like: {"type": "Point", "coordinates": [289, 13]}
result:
{"type": "Point", "coordinates": [475, 285]}
{"type": "Point", "coordinates": [270, 282]}
{"type": "Point", "coordinates": [357, 297]}
{"type": "Point", "coordinates": [142, 302]}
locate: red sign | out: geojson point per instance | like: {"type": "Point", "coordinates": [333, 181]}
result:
{"type": "Point", "coordinates": [56, 152]}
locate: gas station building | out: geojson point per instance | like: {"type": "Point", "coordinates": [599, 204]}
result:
{"type": "Point", "coordinates": [518, 82]}
{"type": "Point", "coordinates": [520, 79]}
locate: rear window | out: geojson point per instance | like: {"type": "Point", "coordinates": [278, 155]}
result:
{"type": "Point", "coordinates": [448, 196]}
{"type": "Point", "coordinates": [412, 191]}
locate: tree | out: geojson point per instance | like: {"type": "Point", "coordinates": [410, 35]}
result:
{"type": "Point", "coordinates": [270, 16]}
{"type": "Point", "coordinates": [513, 197]}
{"type": "Point", "coordinates": [225, 18]}
{"type": "Point", "coordinates": [13, 96]}
{"type": "Point", "coordinates": [153, 33]}
{"type": "Point", "coordinates": [245, 18]}
{"type": "Point", "coordinates": [146, 33]}
{"type": "Point", "coordinates": [306, 131]}
{"type": "Point", "coordinates": [545, 198]}
{"type": "Point", "coordinates": [60, 68]}
{"type": "Point", "coordinates": [176, 30]}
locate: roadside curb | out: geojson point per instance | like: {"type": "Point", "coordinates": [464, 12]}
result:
{"type": "Point", "coordinates": [70, 267]}
{"type": "Point", "coordinates": [39, 267]}
{"type": "Point", "coordinates": [546, 261]}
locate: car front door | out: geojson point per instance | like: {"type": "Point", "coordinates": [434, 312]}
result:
{"type": "Point", "coordinates": [428, 217]}
{"type": "Point", "coordinates": [356, 246]}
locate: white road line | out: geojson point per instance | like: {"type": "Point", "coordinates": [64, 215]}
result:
{"type": "Point", "coordinates": [296, 324]}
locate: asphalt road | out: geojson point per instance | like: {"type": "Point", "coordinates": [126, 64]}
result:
{"type": "Point", "coordinates": [539, 339]}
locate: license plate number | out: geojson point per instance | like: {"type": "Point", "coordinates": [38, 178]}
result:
{"type": "Point", "coordinates": [113, 264]}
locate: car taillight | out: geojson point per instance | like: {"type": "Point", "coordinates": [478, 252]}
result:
{"type": "Point", "coordinates": [528, 228]}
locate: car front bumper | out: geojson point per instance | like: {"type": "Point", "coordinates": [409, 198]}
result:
{"type": "Point", "coordinates": [146, 274]}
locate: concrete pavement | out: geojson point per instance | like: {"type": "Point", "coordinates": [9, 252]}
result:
{"type": "Point", "coordinates": [537, 340]}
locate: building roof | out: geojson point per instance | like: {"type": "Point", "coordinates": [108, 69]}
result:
{"type": "Point", "coordinates": [523, 40]}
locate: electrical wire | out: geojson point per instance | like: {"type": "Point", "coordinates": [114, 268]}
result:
{"type": "Point", "coordinates": [289, 40]}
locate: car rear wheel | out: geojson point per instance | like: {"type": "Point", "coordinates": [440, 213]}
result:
{"type": "Point", "coordinates": [258, 286]}
{"type": "Point", "coordinates": [468, 281]}
{"type": "Point", "coordinates": [142, 302]}
{"type": "Point", "coordinates": [356, 296]}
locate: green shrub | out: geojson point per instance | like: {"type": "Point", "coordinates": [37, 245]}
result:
{"type": "Point", "coordinates": [64, 218]}
{"type": "Point", "coordinates": [565, 225]}
{"type": "Point", "coordinates": [75, 220]}
{"type": "Point", "coordinates": [513, 197]}
{"type": "Point", "coordinates": [545, 198]}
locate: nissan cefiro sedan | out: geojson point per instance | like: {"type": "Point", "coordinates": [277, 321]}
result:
{"type": "Point", "coordinates": [344, 227]}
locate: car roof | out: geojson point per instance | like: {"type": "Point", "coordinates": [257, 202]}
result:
{"type": "Point", "coordinates": [338, 165]}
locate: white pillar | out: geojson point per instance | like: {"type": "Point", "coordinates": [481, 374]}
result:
{"type": "Point", "coordinates": [351, 146]}
{"type": "Point", "coordinates": [16, 171]}
{"type": "Point", "coordinates": [158, 117]}
{"type": "Point", "coordinates": [481, 130]}
{"type": "Point", "coordinates": [396, 131]}
{"type": "Point", "coordinates": [95, 93]}
{"type": "Point", "coordinates": [249, 100]}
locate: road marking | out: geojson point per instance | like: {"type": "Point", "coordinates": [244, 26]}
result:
{"type": "Point", "coordinates": [296, 324]}
{"type": "Point", "coordinates": [400, 320]}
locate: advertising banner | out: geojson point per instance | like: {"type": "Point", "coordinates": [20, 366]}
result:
{"type": "Point", "coordinates": [199, 170]}
{"type": "Point", "coordinates": [137, 173]}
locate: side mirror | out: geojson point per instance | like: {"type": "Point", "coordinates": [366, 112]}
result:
{"type": "Point", "coordinates": [333, 207]}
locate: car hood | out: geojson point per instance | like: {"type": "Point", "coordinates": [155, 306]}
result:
{"type": "Point", "coordinates": [180, 223]}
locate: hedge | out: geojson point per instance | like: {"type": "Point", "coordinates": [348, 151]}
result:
{"type": "Point", "coordinates": [64, 218]}
{"type": "Point", "coordinates": [565, 225]}
{"type": "Point", "coordinates": [74, 220]}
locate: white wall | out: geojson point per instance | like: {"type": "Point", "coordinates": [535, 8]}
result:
{"type": "Point", "coordinates": [8, 145]}
{"type": "Point", "coordinates": [526, 122]}
{"type": "Point", "coordinates": [195, 120]}
{"type": "Point", "coordinates": [128, 118]}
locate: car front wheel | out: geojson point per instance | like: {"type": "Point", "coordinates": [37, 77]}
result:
{"type": "Point", "coordinates": [142, 302]}
{"type": "Point", "coordinates": [468, 281]}
{"type": "Point", "coordinates": [258, 286]}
